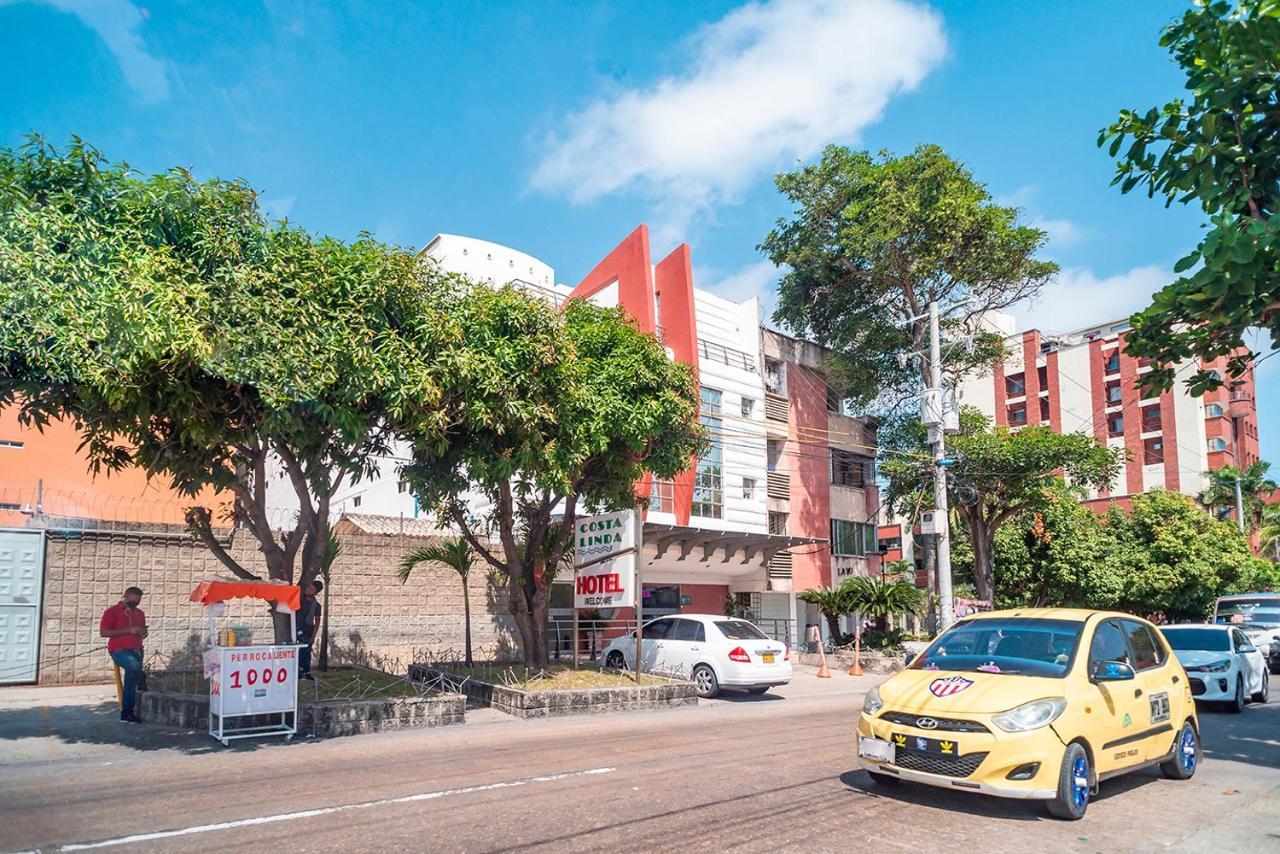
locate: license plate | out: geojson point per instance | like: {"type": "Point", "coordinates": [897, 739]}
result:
{"type": "Point", "coordinates": [767, 657]}
{"type": "Point", "coordinates": [940, 746]}
{"type": "Point", "coordinates": [874, 748]}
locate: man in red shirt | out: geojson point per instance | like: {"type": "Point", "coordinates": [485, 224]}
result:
{"type": "Point", "coordinates": [125, 626]}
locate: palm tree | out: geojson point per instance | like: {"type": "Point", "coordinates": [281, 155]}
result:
{"type": "Point", "coordinates": [1269, 531]}
{"type": "Point", "coordinates": [1255, 487]}
{"type": "Point", "coordinates": [878, 599]}
{"type": "Point", "coordinates": [454, 553]}
{"type": "Point", "coordinates": [831, 604]}
{"type": "Point", "coordinates": [332, 548]}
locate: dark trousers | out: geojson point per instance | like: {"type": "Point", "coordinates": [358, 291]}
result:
{"type": "Point", "coordinates": [130, 663]}
{"type": "Point", "coordinates": [304, 654]}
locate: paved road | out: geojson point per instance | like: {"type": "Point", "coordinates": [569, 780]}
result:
{"type": "Point", "coordinates": [746, 773]}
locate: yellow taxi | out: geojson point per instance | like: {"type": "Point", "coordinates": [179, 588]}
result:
{"type": "Point", "coordinates": [1034, 703]}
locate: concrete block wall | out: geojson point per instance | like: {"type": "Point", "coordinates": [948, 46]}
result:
{"type": "Point", "coordinates": [372, 614]}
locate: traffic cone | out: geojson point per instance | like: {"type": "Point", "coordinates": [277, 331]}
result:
{"type": "Point", "coordinates": [856, 668]}
{"type": "Point", "coordinates": [823, 672]}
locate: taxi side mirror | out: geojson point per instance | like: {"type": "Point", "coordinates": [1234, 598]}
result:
{"type": "Point", "coordinates": [1111, 671]}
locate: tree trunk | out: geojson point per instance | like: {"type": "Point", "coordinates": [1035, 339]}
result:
{"type": "Point", "coordinates": [466, 617]}
{"type": "Point", "coordinates": [833, 625]}
{"type": "Point", "coordinates": [983, 551]}
{"type": "Point", "coordinates": [324, 630]}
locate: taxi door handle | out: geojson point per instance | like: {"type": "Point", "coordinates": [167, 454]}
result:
{"type": "Point", "coordinates": [1137, 692]}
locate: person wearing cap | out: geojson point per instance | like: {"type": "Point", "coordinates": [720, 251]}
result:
{"type": "Point", "coordinates": [124, 625]}
{"type": "Point", "coordinates": [308, 622]}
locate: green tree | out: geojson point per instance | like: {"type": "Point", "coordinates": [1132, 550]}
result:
{"type": "Point", "coordinates": [455, 553]}
{"type": "Point", "coordinates": [831, 604]}
{"type": "Point", "coordinates": [1218, 146]}
{"type": "Point", "coordinates": [1059, 554]}
{"type": "Point", "coordinates": [1255, 488]}
{"type": "Point", "coordinates": [872, 240]}
{"type": "Point", "coordinates": [181, 333]}
{"type": "Point", "coordinates": [1176, 558]}
{"type": "Point", "coordinates": [558, 411]}
{"type": "Point", "coordinates": [995, 474]}
{"type": "Point", "coordinates": [879, 599]}
{"type": "Point", "coordinates": [1269, 532]}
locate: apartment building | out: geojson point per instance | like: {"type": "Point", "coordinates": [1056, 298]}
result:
{"type": "Point", "coordinates": [1082, 381]}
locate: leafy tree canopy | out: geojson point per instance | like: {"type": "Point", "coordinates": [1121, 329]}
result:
{"type": "Point", "coordinates": [874, 239]}
{"type": "Point", "coordinates": [1218, 146]}
{"type": "Point", "coordinates": [182, 333]}
{"type": "Point", "coordinates": [565, 410]}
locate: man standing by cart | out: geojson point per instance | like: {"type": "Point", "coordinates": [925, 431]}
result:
{"type": "Point", "coordinates": [308, 621]}
{"type": "Point", "coordinates": [124, 625]}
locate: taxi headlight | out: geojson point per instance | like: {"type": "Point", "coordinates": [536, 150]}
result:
{"type": "Point", "coordinates": [872, 703]}
{"type": "Point", "coordinates": [1031, 715]}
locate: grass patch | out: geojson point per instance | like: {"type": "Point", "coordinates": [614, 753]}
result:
{"type": "Point", "coordinates": [338, 683]}
{"type": "Point", "coordinates": [554, 678]}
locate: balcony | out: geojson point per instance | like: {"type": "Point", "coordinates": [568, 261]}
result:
{"type": "Point", "coordinates": [1240, 404]}
{"type": "Point", "coordinates": [709, 351]}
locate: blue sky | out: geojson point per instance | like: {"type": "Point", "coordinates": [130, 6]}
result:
{"type": "Point", "coordinates": [556, 128]}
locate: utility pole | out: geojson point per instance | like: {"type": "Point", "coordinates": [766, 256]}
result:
{"type": "Point", "coordinates": [946, 607]}
{"type": "Point", "coordinates": [1239, 506]}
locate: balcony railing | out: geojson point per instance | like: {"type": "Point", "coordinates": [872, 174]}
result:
{"type": "Point", "coordinates": [711, 352]}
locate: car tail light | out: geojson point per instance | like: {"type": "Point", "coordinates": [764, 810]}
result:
{"type": "Point", "coordinates": [739, 654]}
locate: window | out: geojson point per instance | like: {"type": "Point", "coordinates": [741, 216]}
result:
{"type": "Point", "coordinates": [1108, 645]}
{"type": "Point", "coordinates": [1151, 418]}
{"type": "Point", "coordinates": [708, 481]}
{"type": "Point", "coordinates": [773, 453]}
{"type": "Point", "coordinates": [775, 377]}
{"type": "Point", "coordinates": [778, 524]}
{"type": "Point", "coordinates": [849, 469]}
{"type": "Point", "coordinates": [1017, 415]}
{"type": "Point", "coordinates": [740, 630]}
{"type": "Point", "coordinates": [1241, 642]}
{"type": "Point", "coordinates": [1115, 425]}
{"type": "Point", "coordinates": [890, 543]}
{"type": "Point", "coordinates": [1213, 410]}
{"type": "Point", "coordinates": [749, 488]}
{"type": "Point", "coordinates": [1044, 409]}
{"type": "Point", "coordinates": [833, 401]}
{"type": "Point", "coordinates": [1015, 385]}
{"type": "Point", "coordinates": [10, 443]}
{"type": "Point", "coordinates": [402, 486]}
{"type": "Point", "coordinates": [852, 539]}
{"type": "Point", "coordinates": [662, 496]}
{"type": "Point", "coordinates": [1152, 451]}
{"type": "Point", "coordinates": [1217, 443]}
{"type": "Point", "coordinates": [748, 407]}
{"type": "Point", "coordinates": [657, 630]}
{"type": "Point", "coordinates": [1115, 394]}
{"type": "Point", "coordinates": [688, 630]}
{"type": "Point", "coordinates": [1147, 651]}
{"type": "Point", "coordinates": [1112, 365]}
{"type": "Point", "coordinates": [355, 502]}
{"type": "Point", "coordinates": [6, 505]}
{"type": "Point", "coordinates": [1032, 647]}
{"type": "Point", "coordinates": [1042, 375]}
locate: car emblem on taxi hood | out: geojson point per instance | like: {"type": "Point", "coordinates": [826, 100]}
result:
{"type": "Point", "coordinates": [948, 686]}
{"type": "Point", "coordinates": [926, 723]}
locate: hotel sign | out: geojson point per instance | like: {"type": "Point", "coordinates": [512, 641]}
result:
{"type": "Point", "coordinates": [605, 560]}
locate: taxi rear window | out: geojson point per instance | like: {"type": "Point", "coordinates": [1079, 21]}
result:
{"type": "Point", "coordinates": [1011, 645]}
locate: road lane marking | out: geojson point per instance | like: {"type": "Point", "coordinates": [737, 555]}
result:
{"type": "Point", "coordinates": [363, 805]}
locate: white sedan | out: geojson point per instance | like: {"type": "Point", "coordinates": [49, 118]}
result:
{"type": "Point", "coordinates": [1222, 664]}
{"type": "Point", "coordinates": [713, 652]}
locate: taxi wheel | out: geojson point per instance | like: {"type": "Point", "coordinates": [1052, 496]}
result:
{"type": "Point", "coordinates": [615, 660]}
{"type": "Point", "coordinates": [705, 682]}
{"type": "Point", "coordinates": [1186, 755]}
{"type": "Point", "coordinates": [1264, 694]}
{"type": "Point", "coordinates": [1238, 702]}
{"type": "Point", "coordinates": [1073, 785]}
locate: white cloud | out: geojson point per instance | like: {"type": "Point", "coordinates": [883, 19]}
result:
{"type": "Point", "coordinates": [118, 23]}
{"type": "Point", "coordinates": [1080, 298]}
{"type": "Point", "coordinates": [767, 83]}
{"type": "Point", "coordinates": [754, 280]}
{"type": "Point", "coordinates": [1062, 232]}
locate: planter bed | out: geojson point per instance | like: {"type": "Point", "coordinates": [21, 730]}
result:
{"type": "Point", "coordinates": [872, 662]}
{"type": "Point", "coordinates": [323, 718]}
{"type": "Point", "coordinates": [533, 701]}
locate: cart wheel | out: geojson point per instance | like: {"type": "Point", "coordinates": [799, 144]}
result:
{"type": "Point", "coordinates": [289, 737]}
{"type": "Point", "coordinates": [226, 742]}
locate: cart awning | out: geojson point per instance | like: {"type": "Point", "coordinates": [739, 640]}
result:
{"type": "Point", "coordinates": [210, 592]}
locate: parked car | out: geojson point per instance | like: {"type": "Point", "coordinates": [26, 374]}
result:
{"type": "Point", "coordinates": [1222, 664]}
{"type": "Point", "coordinates": [1036, 703]}
{"type": "Point", "coordinates": [1258, 615]}
{"type": "Point", "coordinates": [713, 651]}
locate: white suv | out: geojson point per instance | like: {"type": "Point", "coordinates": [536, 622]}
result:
{"type": "Point", "coordinates": [714, 652]}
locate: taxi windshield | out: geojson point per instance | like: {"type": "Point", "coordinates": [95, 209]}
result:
{"type": "Point", "coordinates": [1011, 645]}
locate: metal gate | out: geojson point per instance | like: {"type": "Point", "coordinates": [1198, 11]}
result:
{"type": "Point", "coordinates": [21, 580]}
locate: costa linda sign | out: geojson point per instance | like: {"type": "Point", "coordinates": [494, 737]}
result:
{"type": "Point", "coordinates": [605, 558]}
